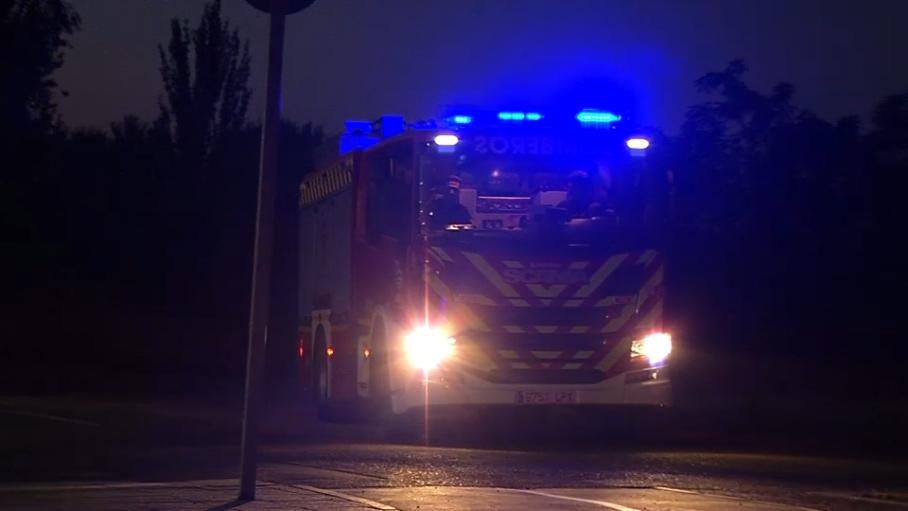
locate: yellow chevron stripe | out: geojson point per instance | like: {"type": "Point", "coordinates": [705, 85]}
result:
{"type": "Point", "coordinates": [546, 329]}
{"type": "Point", "coordinates": [615, 324]}
{"type": "Point", "coordinates": [470, 317]}
{"type": "Point", "coordinates": [508, 354]}
{"type": "Point", "coordinates": [439, 287]}
{"type": "Point", "coordinates": [601, 274]}
{"type": "Point", "coordinates": [512, 264]}
{"type": "Point", "coordinates": [583, 355]}
{"type": "Point", "coordinates": [653, 318]}
{"type": "Point", "coordinates": [646, 257]}
{"type": "Point", "coordinates": [442, 254]}
{"type": "Point", "coordinates": [656, 279]}
{"type": "Point", "coordinates": [572, 365]}
{"type": "Point", "coordinates": [513, 329]}
{"type": "Point", "coordinates": [546, 355]}
{"type": "Point", "coordinates": [519, 365]}
{"type": "Point", "coordinates": [573, 303]}
{"type": "Point", "coordinates": [580, 329]}
{"type": "Point", "coordinates": [621, 350]}
{"type": "Point", "coordinates": [476, 299]}
{"type": "Point", "coordinates": [435, 256]}
{"type": "Point", "coordinates": [490, 274]}
{"type": "Point", "coordinates": [614, 300]}
{"type": "Point", "coordinates": [519, 302]}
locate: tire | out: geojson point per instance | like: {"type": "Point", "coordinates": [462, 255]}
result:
{"type": "Point", "coordinates": [379, 376]}
{"type": "Point", "coordinates": [320, 383]}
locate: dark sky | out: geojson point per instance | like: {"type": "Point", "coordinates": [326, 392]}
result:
{"type": "Point", "coordinates": [362, 58]}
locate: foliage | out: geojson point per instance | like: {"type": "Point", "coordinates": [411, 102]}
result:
{"type": "Point", "coordinates": [205, 71]}
{"type": "Point", "coordinates": [33, 37]}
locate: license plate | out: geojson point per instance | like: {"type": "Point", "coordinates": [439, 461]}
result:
{"type": "Point", "coordinates": [532, 397]}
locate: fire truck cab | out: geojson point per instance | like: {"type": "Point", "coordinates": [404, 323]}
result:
{"type": "Point", "coordinates": [486, 258]}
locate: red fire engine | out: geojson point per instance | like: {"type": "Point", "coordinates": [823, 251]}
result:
{"type": "Point", "coordinates": [489, 258]}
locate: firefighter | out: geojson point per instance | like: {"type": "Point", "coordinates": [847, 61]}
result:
{"type": "Point", "coordinates": [446, 209]}
{"type": "Point", "coordinates": [579, 195]}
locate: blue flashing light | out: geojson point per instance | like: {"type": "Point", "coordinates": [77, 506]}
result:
{"type": "Point", "coordinates": [511, 116]}
{"type": "Point", "coordinates": [597, 117]}
{"type": "Point", "coordinates": [519, 116]}
{"type": "Point", "coordinates": [461, 119]}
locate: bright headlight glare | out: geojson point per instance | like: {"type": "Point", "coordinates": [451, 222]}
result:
{"type": "Point", "coordinates": [427, 347]}
{"type": "Point", "coordinates": [655, 347]}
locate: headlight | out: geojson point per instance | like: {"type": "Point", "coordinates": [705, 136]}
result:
{"type": "Point", "coordinates": [655, 347]}
{"type": "Point", "coordinates": [426, 347]}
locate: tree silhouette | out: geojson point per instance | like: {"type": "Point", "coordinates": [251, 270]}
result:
{"type": "Point", "coordinates": [205, 72]}
{"type": "Point", "coordinates": [33, 37]}
{"type": "Point", "coordinates": [770, 200]}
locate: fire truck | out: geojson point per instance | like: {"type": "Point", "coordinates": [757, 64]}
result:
{"type": "Point", "coordinates": [486, 258]}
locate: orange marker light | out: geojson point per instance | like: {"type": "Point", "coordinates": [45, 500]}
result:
{"type": "Point", "coordinates": [330, 351]}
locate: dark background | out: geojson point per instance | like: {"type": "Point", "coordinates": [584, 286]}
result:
{"type": "Point", "coordinates": [127, 244]}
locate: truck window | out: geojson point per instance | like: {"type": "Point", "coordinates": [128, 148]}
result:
{"type": "Point", "coordinates": [389, 200]}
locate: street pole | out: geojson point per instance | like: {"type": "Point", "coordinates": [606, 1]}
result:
{"type": "Point", "coordinates": [261, 269]}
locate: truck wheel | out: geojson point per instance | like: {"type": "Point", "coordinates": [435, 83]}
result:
{"type": "Point", "coordinates": [320, 381]}
{"type": "Point", "coordinates": [379, 377]}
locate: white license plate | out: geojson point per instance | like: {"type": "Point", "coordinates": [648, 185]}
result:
{"type": "Point", "coordinates": [532, 397]}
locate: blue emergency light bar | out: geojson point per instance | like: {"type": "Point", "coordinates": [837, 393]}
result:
{"type": "Point", "coordinates": [519, 116]}
{"type": "Point", "coordinates": [590, 116]}
{"type": "Point", "coordinates": [459, 117]}
{"type": "Point", "coordinates": [360, 134]}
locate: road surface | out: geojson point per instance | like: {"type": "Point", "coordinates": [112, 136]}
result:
{"type": "Point", "coordinates": [86, 454]}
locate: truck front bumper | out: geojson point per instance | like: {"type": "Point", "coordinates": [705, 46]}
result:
{"type": "Point", "coordinates": [646, 387]}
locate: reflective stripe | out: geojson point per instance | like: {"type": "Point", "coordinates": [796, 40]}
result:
{"type": "Point", "coordinates": [439, 287]}
{"type": "Point", "coordinates": [615, 324]}
{"type": "Point", "coordinates": [646, 257]}
{"type": "Point", "coordinates": [476, 299]}
{"type": "Point", "coordinates": [442, 254]}
{"type": "Point", "coordinates": [508, 354]}
{"type": "Point", "coordinates": [490, 274]}
{"type": "Point", "coordinates": [601, 274]}
{"type": "Point", "coordinates": [621, 350]}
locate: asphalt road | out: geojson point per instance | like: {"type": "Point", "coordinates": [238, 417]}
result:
{"type": "Point", "coordinates": [46, 443]}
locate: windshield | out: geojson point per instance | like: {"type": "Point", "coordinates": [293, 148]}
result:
{"type": "Point", "coordinates": [507, 193]}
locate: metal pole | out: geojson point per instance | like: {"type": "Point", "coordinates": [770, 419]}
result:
{"type": "Point", "coordinates": [261, 269]}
